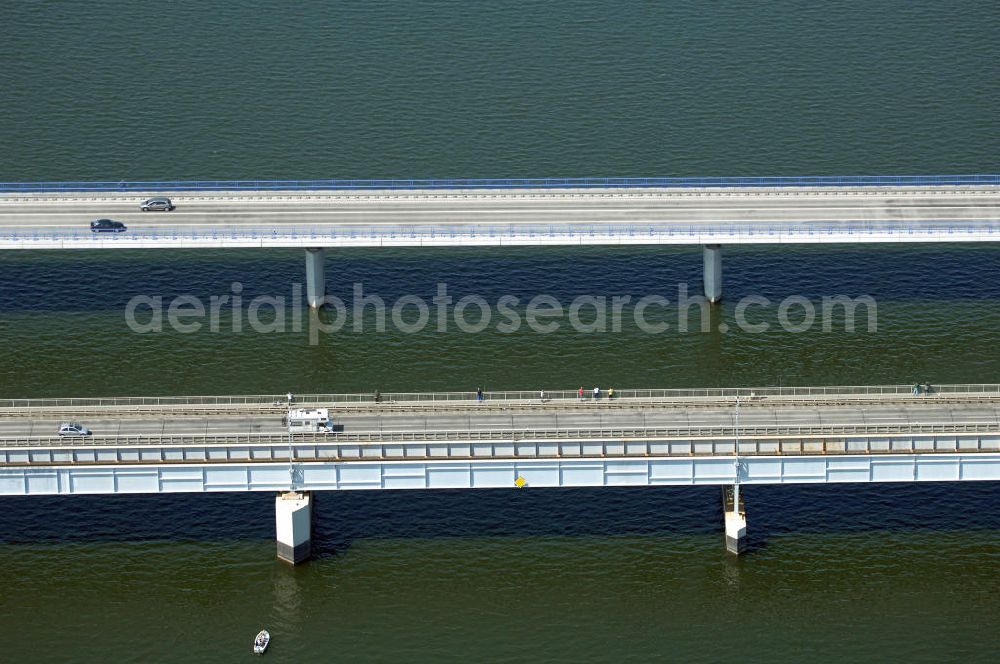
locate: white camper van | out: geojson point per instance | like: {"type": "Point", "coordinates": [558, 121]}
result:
{"type": "Point", "coordinates": [309, 420]}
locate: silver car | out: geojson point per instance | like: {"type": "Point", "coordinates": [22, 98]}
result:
{"type": "Point", "coordinates": [73, 429]}
{"type": "Point", "coordinates": [158, 204]}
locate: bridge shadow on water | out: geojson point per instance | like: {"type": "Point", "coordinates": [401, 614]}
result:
{"type": "Point", "coordinates": [58, 282]}
{"type": "Point", "coordinates": [341, 518]}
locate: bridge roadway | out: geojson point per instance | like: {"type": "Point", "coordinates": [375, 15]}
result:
{"type": "Point", "coordinates": [493, 217]}
{"type": "Point", "coordinates": [762, 419]}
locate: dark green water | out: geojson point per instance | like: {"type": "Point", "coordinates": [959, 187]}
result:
{"type": "Point", "coordinates": [113, 90]}
{"type": "Point", "coordinates": [848, 573]}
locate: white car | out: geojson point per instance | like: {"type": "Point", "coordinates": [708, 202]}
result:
{"type": "Point", "coordinates": [160, 204]}
{"type": "Point", "coordinates": [73, 429]}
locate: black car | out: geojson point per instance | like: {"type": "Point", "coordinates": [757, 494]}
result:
{"type": "Point", "coordinates": [107, 226]}
{"type": "Point", "coordinates": [160, 204]}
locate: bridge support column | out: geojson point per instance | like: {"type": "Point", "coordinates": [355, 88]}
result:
{"type": "Point", "coordinates": [293, 522]}
{"type": "Point", "coordinates": [736, 519]}
{"type": "Point", "coordinates": [315, 277]}
{"type": "Point", "coordinates": [712, 255]}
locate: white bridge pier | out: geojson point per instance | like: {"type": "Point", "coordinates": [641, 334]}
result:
{"type": "Point", "coordinates": [293, 526]}
{"type": "Point", "coordinates": [712, 258]}
{"type": "Point", "coordinates": [315, 276]}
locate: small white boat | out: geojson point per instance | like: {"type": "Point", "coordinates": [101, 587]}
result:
{"type": "Point", "coordinates": [260, 643]}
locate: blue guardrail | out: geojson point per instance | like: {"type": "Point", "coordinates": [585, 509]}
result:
{"type": "Point", "coordinates": [503, 183]}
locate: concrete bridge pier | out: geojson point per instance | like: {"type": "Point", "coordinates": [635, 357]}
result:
{"type": "Point", "coordinates": [736, 519]}
{"type": "Point", "coordinates": [315, 277]}
{"type": "Point", "coordinates": [293, 524]}
{"type": "Point", "coordinates": [712, 255]}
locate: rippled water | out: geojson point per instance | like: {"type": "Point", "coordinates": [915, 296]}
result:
{"type": "Point", "coordinates": [450, 88]}
{"type": "Point", "coordinates": [840, 573]}
{"type": "Point", "coordinates": [936, 315]}
{"type": "Point", "coordinates": [843, 572]}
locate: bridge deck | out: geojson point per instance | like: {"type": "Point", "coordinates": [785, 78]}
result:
{"type": "Point", "coordinates": [494, 217]}
{"type": "Point", "coordinates": [761, 420]}
{"type": "Point", "coordinates": [819, 435]}
{"type": "Point", "coordinates": [242, 419]}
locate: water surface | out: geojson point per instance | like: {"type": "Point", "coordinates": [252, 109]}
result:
{"type": "Point", "coordinates": [114, 91]}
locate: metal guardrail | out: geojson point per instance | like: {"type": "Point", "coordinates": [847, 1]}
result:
{"type": "Point", "coordinates": [401, 233]}
{"type": "Point", "coordinates": [549, 407]}
{"type": "Point", "coordinates": [503, 183]}
{"type": "Point", "coordinates": [422, 451]}
{"type": "Point", "coordinates": [512, 396]}
{"type": "Point", "coordinates": [514, 435]}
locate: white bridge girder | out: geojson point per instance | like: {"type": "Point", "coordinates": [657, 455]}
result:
{"type": "Point", "coordinates": [153, 450]}
{"type": "Point", "coordinates": [494, 473]}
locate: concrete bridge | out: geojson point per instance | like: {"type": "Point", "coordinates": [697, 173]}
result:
{"type": "Point", "coordinates": [575, 211]}
{"type": "Point", "coordinates": [519, 439]}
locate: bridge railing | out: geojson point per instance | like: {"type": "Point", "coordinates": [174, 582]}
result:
{"type": "Point", "coordinates": [836, 439]}
{"type": "Point", "coordinates": [507, 396]}
{"type": "Point", "coordinates": [500, 183]}
{"type": "Point", "coordinates": [402, 234]}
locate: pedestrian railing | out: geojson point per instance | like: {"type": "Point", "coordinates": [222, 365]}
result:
{"type": "Point", "coordinates": [749, 394]}
{"type": "Point", "coordinates": [503, 183]}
